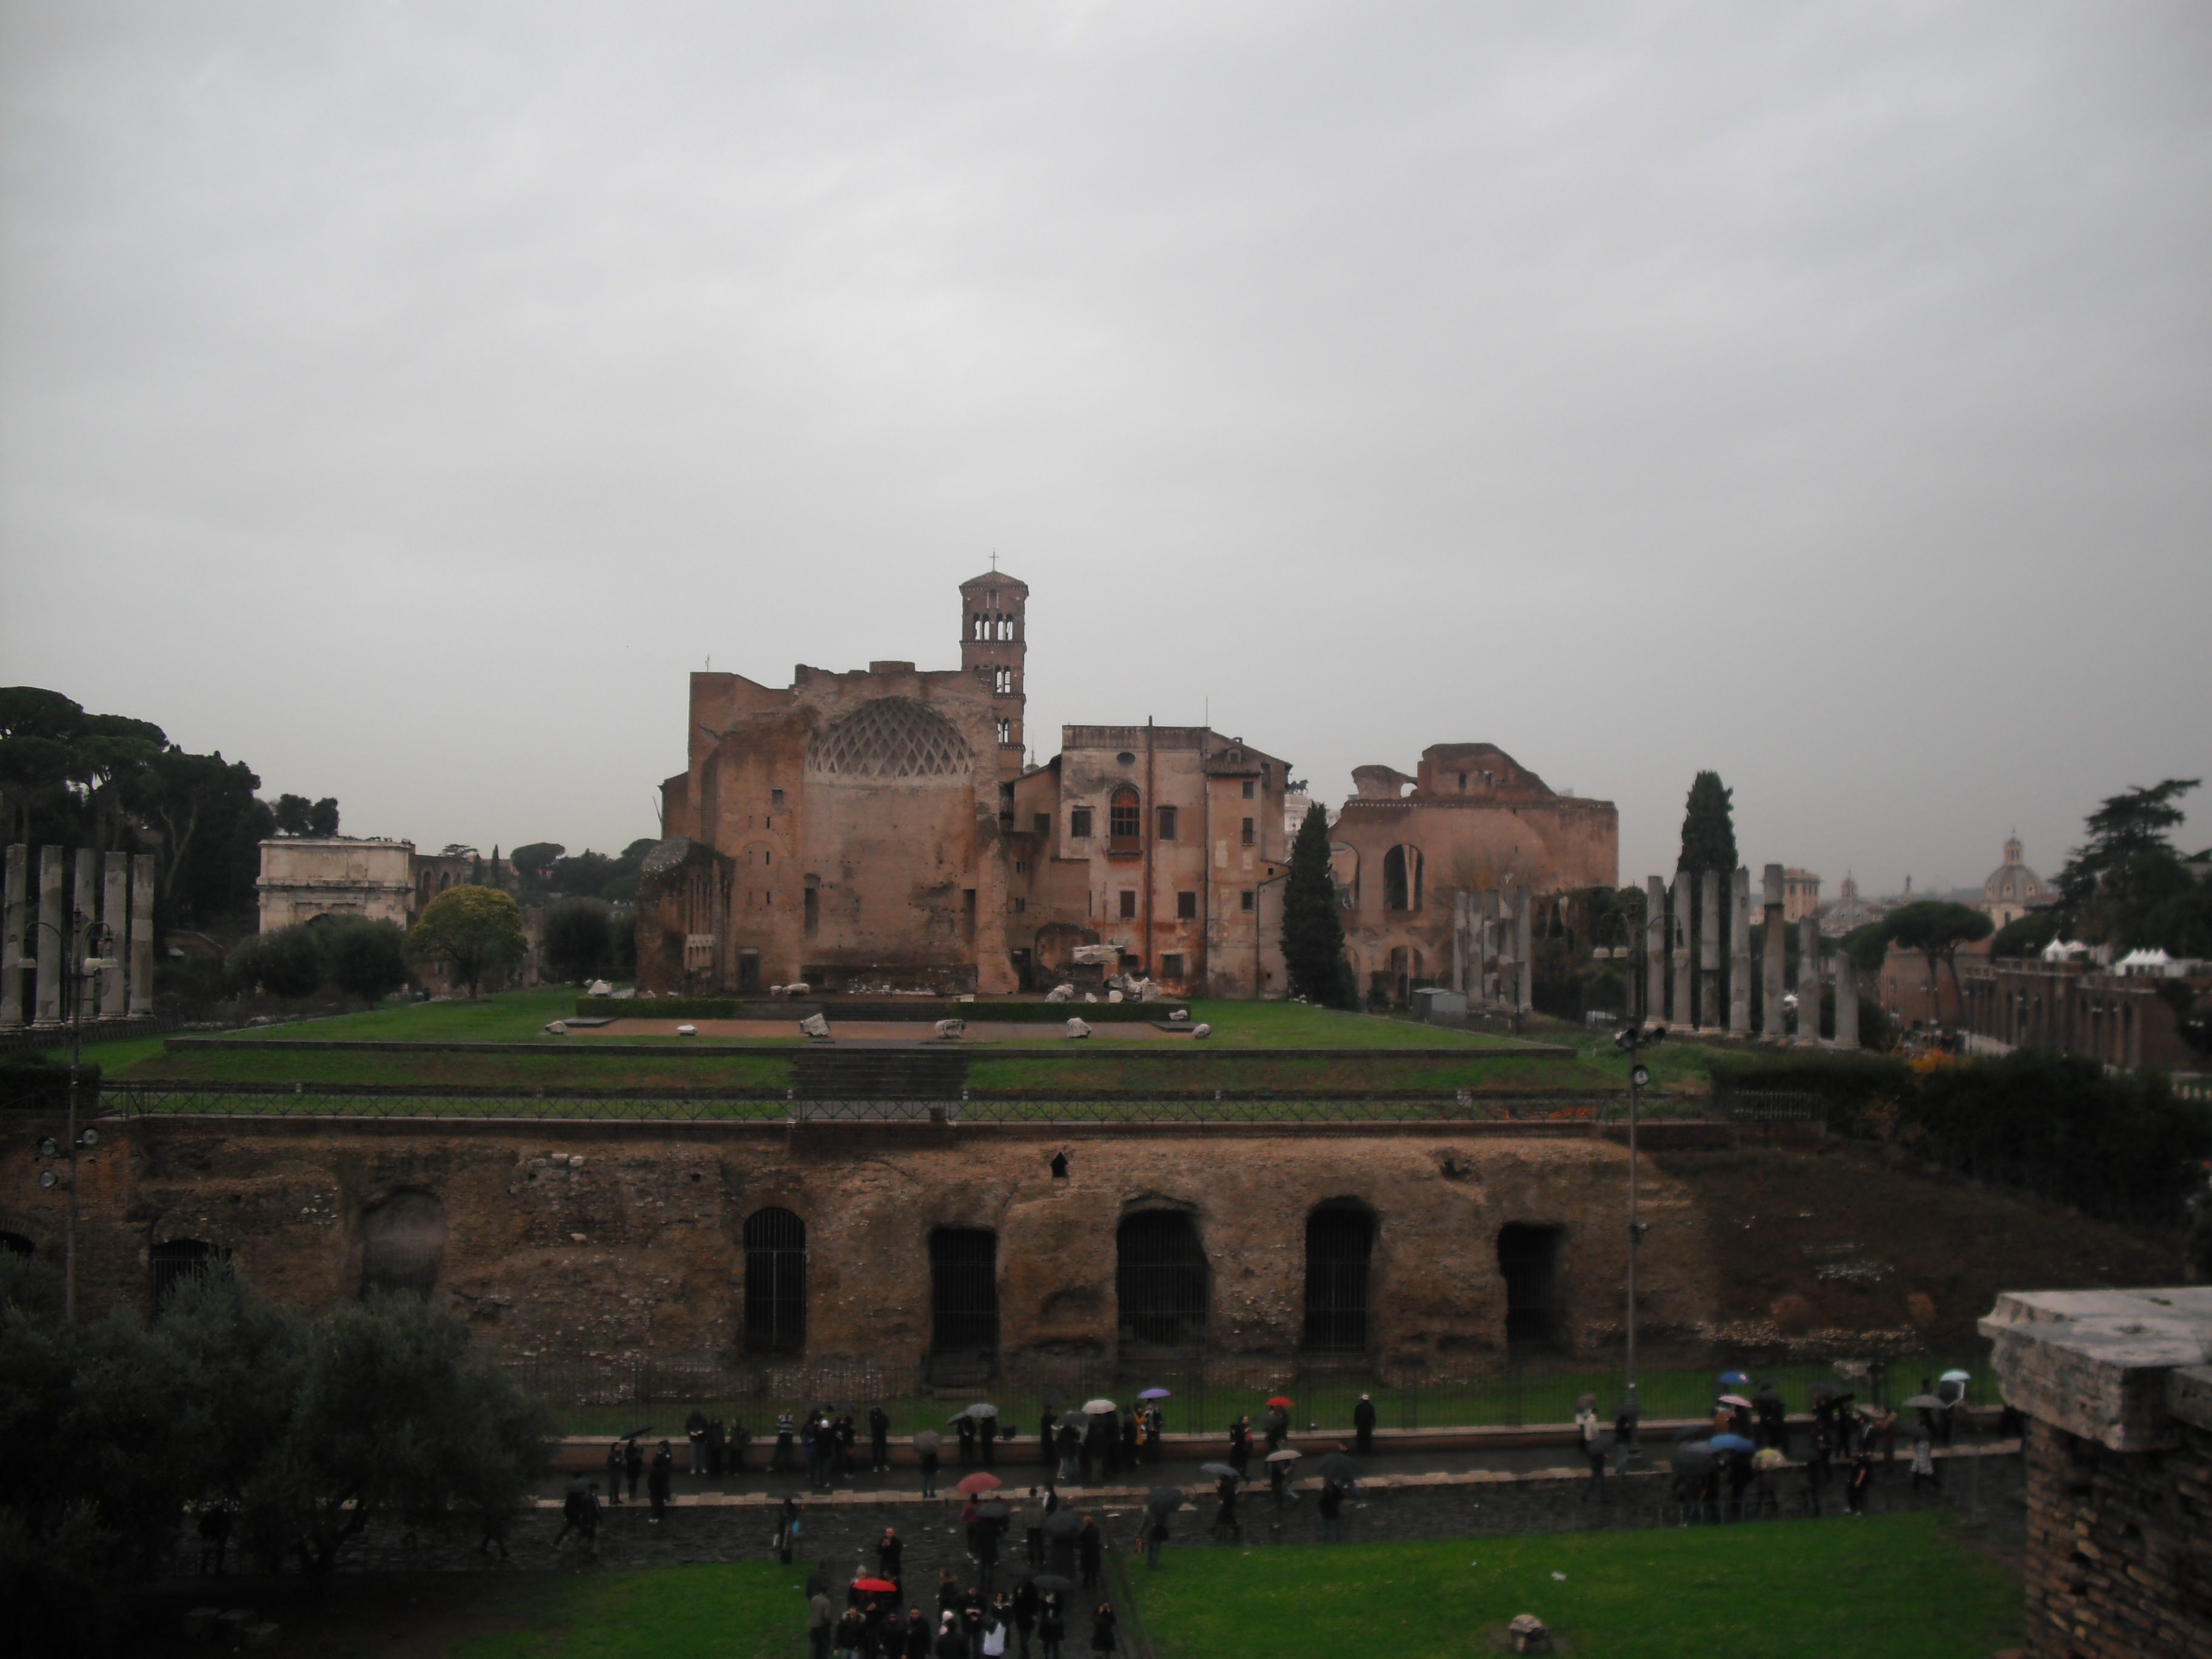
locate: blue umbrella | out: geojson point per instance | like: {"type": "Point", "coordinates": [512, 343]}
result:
{"type": "Point", "coordinates": [1733, 1378]}
{"type": "Point", "coordinates": [1730, 1442]}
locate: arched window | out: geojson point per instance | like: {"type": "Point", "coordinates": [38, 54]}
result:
{"type": "Point", "coordinates": [403, 1242]}
{"type": "Point", "coordinates": [775, 1282]}
{"type": "Point", "coordinates": [963, 1292]}
{"type": "Point", "coordinates": [1401, 878]}
{"type": "Point", "coordinates": [180, 1262]}
{"type": "Point", "coordinates": [1160, 1279]}
{"type": "Point", "coordinates": [1123, 818]}
{"type": "Point", "coordinates": [1339, 1246]}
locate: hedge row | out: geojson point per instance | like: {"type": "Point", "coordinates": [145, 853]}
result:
{"type": "Point", "coordinates": [2122, 1147]}
{"type": "Point", "coordinates": [1021, 1013]}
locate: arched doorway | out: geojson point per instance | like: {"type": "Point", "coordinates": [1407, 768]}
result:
{"type": "Point", "coordinates": [1160, 1279]}
{"type": "Point", "coordinates": [775, 1282]}
{"type": "Point", "coordinates": [180, 1261]}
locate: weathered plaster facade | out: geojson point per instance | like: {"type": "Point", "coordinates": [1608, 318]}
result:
{"type": "Point", "coordinates": [1472, 820]}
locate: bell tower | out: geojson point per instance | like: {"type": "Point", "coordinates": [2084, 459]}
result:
{"type": "Point", "coordinates": [994, 643]}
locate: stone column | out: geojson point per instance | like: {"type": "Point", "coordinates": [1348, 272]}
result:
{"type": "Point", "coordinates": [84, 910]}
{"type": "Point", "coordinates": [17, 887]}
{"type": "Point", "coordinates": [1808, 978]}
{"type": "Point", "coordinates": [1740, 951]}
{"type": "Point", "coordinates": [1847, 1002]}
{"type": "Point", "coordinates": [1773, 1024]}
{"type": "Point", "coordinates": [1525, 994]}
{"type": "Point", "coordinates": [1678, 941]}
{"type": "Point", "coordinates": [1459, 942]}
{"type": "Point", "coordinates": [141, 936]}
{"type": "Point", "coordinates": [46, 1002]}
{"type": "Point", "coordinates": [115, 911]}
{"type": "Point", "coordinates": [1486, 973]}
{"type": "Point", "coordinates": [1507, 966]}
{"type": "Point", "coordinates": [1709, 950]}
{"type": "Point", "coordinates": [1655, 948]}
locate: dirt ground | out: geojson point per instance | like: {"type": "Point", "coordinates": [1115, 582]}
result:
{"type": "Point", "coordinates": [1834, 1240]}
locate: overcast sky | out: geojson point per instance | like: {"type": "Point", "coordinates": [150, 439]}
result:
{"type": "Point", "coordinates": [405, 399]}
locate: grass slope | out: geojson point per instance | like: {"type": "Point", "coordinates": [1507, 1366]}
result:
{"type": "Point", "coordinates": [747, 1610]}
{"type": "Point", "coordinates": [1895, 1587]}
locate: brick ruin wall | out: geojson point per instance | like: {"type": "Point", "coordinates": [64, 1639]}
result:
{"type": "Point", "coordinates": [617, 1239]}
{"type": "Point", "coordinates": [2119, 1548]}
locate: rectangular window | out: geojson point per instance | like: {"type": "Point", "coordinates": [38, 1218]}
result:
{"type": "Point", "coordinates": [1247, 789]}
{"type": "Point", "coordinates": [813, 911]}
{"type": "Point", "coordinates": [775, 797]}
{"type": "Point", "coordinates": [1167, 824]}
{"type": "Point", "coordinates": [1078, 823]}
{"type": "Point", "coordinates": [967, 904]}
{"type": "Point", "coordinates": [1171, 967]}
{"type": "Point", "coordinates": [1128, 905]}
{"type": "Point", "coordinates": [1244, 899]}
{"type": "Point", "coordinates": [1248, 836]}
{"type": "Point", "coordinates": [1020, 905]}
{"type": "Point", "coordinates": [1042, 824]}
{"type": "Point", "coordinates": [1186, 907]}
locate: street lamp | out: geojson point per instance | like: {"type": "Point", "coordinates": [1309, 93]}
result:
{"type": "Point", "coordinates": [93, 938]}
{"type": "Point", "coordinates": [1634, 1037]}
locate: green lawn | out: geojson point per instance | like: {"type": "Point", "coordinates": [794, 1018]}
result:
{"type": "Point", "coordinates": [748, 1610]}
{"type": "Point", "coordinates": [1890, 1587]}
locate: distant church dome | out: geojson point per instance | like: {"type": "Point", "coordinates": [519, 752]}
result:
{"type": "Point", "coordinates": [887, 740]}
{"type": "Point", "coordinates": [2012, 881]}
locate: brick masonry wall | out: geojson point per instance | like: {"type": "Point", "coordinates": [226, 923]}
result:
{"type": "Point", "coordinates": [2119, 1548]}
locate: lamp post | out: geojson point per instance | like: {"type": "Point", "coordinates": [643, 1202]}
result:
{"type": "Point", "coordinates": [1634, 1037]}
{"type": "Point", "coordinates": [93, 938]}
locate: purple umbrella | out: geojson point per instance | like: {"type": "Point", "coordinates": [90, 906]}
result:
{"type": "Point", "coordinates": [1153, 1394]}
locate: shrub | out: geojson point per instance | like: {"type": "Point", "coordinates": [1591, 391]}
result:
{"type": "Point", "coordinates": [364, 958]}
{"type": "Point", "coordinates": [286, 963]}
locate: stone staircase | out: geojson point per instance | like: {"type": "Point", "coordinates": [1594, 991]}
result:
{"type": "Point", "coordinates": [824, 1072]}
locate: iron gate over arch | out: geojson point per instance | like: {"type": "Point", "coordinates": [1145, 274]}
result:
{"type": "Point", "coordinates": [963, 1285]}
{"type": "Point", "coordinates": [1340, 1250]}
{"type": "Point", "coordinates": [1160, 1279]}
{"type": "Point", "coordinates": [180, 1261]}
{"type": "Point", "coordinates": [775, 1282]}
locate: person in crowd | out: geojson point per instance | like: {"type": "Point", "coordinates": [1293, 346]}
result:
{"type": "Point", "coordinates": [1808, 1489]}
{"type": "Point", "coordinates": [1363, 1426]}
{"type": "Point", "coordinates": [1766, 1498]}
{"type": "Point", "coordinates": [986, 1554]}
{"type": "Point", "coordinates": [1773, 1417]}
{"type": "Point", "coordinates": [1586, 1434]}
{"type": "Point", "coordinates": [987, 1440]}
{"type": "Point", "coordinates": [1240, 1446]}
{"type": "Point", "coordinates": [718, 1448]}
{"type": "Point", "coordinates": [928, 1455]}
{"type": "Point", "coordinates": [879, 1440]}
{"type": "Point", "coordinates": [617, 1451]}
{"type": "Point", "coordinates": [1052, 1627]}
{"type": "Point", "coordinates": [852, 1634]}
{"type": "Point", "coordinates": [1624, 1437]}
{"type": "Point", "coordinates": [656, 1483]}
{"type": "Point", "coordinates": [1103, 1635]}
{"type": "Point", "coordinates": [1862, 1478]}
{"type": "Point", "coordinates": [1739, 1477]}
{"type": "Point", "coordinates": [1032, 1514]}
{"type": "Point", "coordinates": [965, 1428]}
{"type": "Point", "coordinates": [740, 1438]}
{"type": "Point", "coordinates": [971, 1623]}
{"type": "Point", "coordinates": [1332, 1512]}
{"type": "Point", "coordinates": [1153, 1424]}
{"type": "Point", "coordinates": [1155, 1537]}
{"type": "Point", "coordinates": [572, 1509]}
{"type": "Point", "coordinates": [847, 1436]}
{"type": "Point", "coordinates": [820, 1621]}
{"type": "Point", "coordinates": [917, 1633]}
{"type": "Point", "coordinates": [787, 1530]}
{"type": "Point", "coordinates": [1129, 1436]}
{"type": "Point", "coordinates": [694, 1431]}
{"type": "Point", "coordinates": [633, 1466]}
{"type": "Point", "coordinates": [950, 1643]}
{"type": "Point", "coordinates": [1924, 1462]}
{"type": "Point", "coordinates": [1824, 1451]}
{"type": "Point", "coordinates": [1088, 1551]}
{"type": "Point", "coordinates": [891, 1558]}
{"type": "Point", "coordinates": [1740, 1419]}
{"type": "Point", "coordinates": [1025, 1617]}
{"type": "Point", "coordinates": [1228, 1527]}
{"type": "Point", "coordinates": [1278, 1485]}
{"type": "Point", "coordinates": [810, 1444]}
{"type": "Point", "coordinates": [787, 1432]}
{"type": "Point", "coordinates": [216, 1521]}
{"type": "Point", "coordinates": [1110, 1444]}
{"type": "Point", "coordinates": [1071, 1447]}
{"type": "Point", "coordinates": [998, 1626]}
{"type": "Point", "coordinates": [1277, 1426]}
{"type": "Point", "coordinates": [948, 1592]}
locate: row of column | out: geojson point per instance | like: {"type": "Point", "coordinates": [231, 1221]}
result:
{"type": "Point", "coordinates": [1695, 978]}
{"type": "Point", "coordinates": [44, 938]}
{"type": "Point", "coordinates": [1492, 964]}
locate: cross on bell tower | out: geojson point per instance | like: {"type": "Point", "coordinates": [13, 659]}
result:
{"type": "Point", "coordinates": [993, 644]}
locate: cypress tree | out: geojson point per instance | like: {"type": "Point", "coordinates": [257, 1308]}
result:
{"type": "Point", "coordinates": [1313, 932]}
{"type": "Point", "coordinates": [1709, 825]}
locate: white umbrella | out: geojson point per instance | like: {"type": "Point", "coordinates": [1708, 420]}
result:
{"type": "Point", "coordinates": [1956, 1376]}
{"type": "Point", "coordinates": [1098, 1408]}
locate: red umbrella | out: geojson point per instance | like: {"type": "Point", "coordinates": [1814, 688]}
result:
{"type": "Point", "coordinates": [876, 1586]}
{"type": "Point", "coordinates": [1280, 1403]}
{"type": "Point", "coordinates": [981, 1480]}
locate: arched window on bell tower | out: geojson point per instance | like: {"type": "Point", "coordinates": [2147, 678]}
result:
{"type": "Point", "coordinates": [993, 645]}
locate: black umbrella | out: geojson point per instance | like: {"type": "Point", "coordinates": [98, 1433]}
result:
{"type": "Point", "coordinates": [1823, 1391]}
{"type": "Point", "coordinates": [982, 1408]}
{"type": "Point", "coordinates": [1923, 1402]}
{"type": "Point", "coordinates": [1016, 1572]}
{"type": "Point", "coordinates": [929, 1440]}
{"type": "Point", "coordinates": [1053, 1403]}
{"type": "Point", "coordinates": [642, 1428]}
{"type": "Point", "coordinates": [992, 1511]}
{"type": "Point", "coordinates": [1161, 1500]}
{"type": "Point", "coordinates": [1338, 1467]}
{"type": "Point", "coordinates": [1062, 1523]}
{"type": "Point", "coordinates": [1694, 1456]}
{"type": "Point", "coordinates": [1225, 1469]}
{"type": "Point", "coordinates": [1051, 1583]}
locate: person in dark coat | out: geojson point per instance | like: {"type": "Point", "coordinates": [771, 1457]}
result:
{"type": "Point", "coordinates": [891, 1558]}
{"type": "Point", "coordinates": [1070, 1450]}
{"type": "Point", "coordinates": [1103, 1637]}
{"type": "Point", "coordinates": [786, 1435]}
{"type": "Point", "coordinates": [971, 1623]}
{"type": "Point", "coordinates": [1089, 1547]}
{"type": "Point", "coordinates": [985, 1534]}
{"type": "Point", "coordinates": [852, 1633]}
{"type": "Point", "coordinates": [616, 1452]}
{"type": "Point", "coordinates": [1862, 1478]}
{"type": "Point", "coordinates": [718, 1447]}
{"type": "Point", "coordinates": [820, 1622]}
{"type": "Point", "coordinates": [1363, 1426]}
{"type": "Point", "coordinates": [694, 1431]}
{"type": "Point", "coordinates": [966, 1430]}
{"type": "Point", "coordinates": [1047, 1435]}
{"type": "Point", "coordinates": [986, 1435]}
{"type": "Point", "coordinates": [1227, 1528]}
{"type": "Point", "coordinates": [917, 1635]}
{"type": "Point", "coordinates": [1129, 1442]}
{"type": "Point", "coordinates": [1052, 1627]}
{"type": "Point", "coordinates": [740, 1437]}
{"type": "Point", "coordinates": [1025, 1617]}
{"type": "Point", "coordinates": [787, 1530]}
{"type": "Point", "coordinates": [951, 1644]}
{"type": "Point", "coordinates": [879, 1440]}
{"type": "Point", "coordinates": [656, 1483]}
{"type": "Point", "coordinates": [1156, 1538]}
{"type": "Point", "coordinates": [633, 1466]}
{"type": "Point", "coordinates": [847, 1436]}
{"type": "Point", "coordinates": [1331, 1513]}
{"type": "Point", "coordinates": [1240, 1446]}
{"type": "Point", "coordinates": [929, 1471]}
{"type": "Point", "coordinates": [1739, 1477]}
{"type": "Point", "coordinates": [1109, 1443]}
